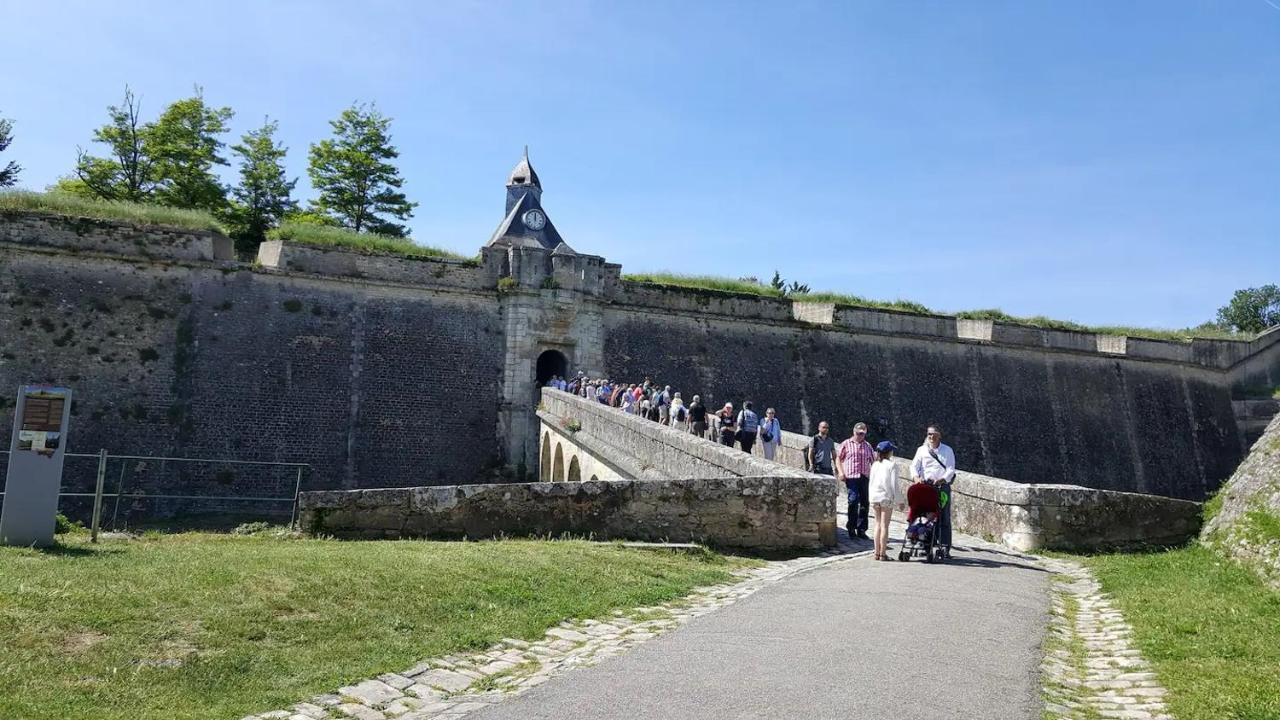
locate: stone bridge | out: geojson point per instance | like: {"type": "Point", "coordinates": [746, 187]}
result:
{"type": "Point", "coordinates": [581, 438]}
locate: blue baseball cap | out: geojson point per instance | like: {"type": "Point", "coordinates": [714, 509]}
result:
{"type": "Point", "coordinates": [885, 446]}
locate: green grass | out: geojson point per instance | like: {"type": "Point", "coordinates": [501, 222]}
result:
{"type": "Point", "coordinates": [1209, 626]}
{"type": "Point", "coordinates": [342, 238]}
{"type": "Point", "coordinates": [69, 205]}
{"type": "Point", "coordinates": [722, 284]}
{"type": "Point", "coordinates": [201, 626]}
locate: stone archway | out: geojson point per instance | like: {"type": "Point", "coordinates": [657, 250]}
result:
{"type": "Point", "coordinates": [575, 470]}
{"type": "Point", "coordinates": [595, 479]}
{"type": "Point", "coordinates": [544, 465]}
{"type": "Point", "coordinates": [557, 473]}
{"type": "Point", "coordinates": [551, 363]}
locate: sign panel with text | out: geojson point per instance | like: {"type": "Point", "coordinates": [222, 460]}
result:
{"type": "Point", "coordinates": [35, 465]}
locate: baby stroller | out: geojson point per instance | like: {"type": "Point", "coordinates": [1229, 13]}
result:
{"type": "Point", "coordinates": [921, 539]}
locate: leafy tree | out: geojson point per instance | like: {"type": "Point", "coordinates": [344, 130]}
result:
{"type": "Point", "coordinates": [263, 196]}
{"type": "Point", "coordinates": [9, 171]}
{"type": "Point", "coordinates": [183, 148]}
{"type": "Point", "coordinates": [1252, 309]}
{"type": "Point", "coordinates": [352, 172]}
{"type": "Point", "coordinates": [127, 174]}
{"type": "Point", "coordinates": [795, 288]}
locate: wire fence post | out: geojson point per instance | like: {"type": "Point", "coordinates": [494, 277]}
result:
{"type": "Point", "coordinates": [297, 488]}
{"type": "Point", "coordinates": [97, 494]}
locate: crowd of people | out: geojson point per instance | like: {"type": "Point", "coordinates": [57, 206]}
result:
{"type": "Point", "coordinates": [869, 474]}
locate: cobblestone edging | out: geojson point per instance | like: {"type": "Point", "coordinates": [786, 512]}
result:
{"type": "Point", "coordinates": [1090, 669]}
{"type": "Point", "coordinates": [450, 687]}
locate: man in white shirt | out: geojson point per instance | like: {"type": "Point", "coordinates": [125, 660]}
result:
{"type": "Point", "coordinates": [935, 463]}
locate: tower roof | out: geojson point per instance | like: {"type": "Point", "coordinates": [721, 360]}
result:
{"type": "Point", "coordinates": [523, 173]}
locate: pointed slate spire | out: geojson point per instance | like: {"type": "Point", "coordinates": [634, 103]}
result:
{"type": "Point", "coordinates": [525, 222]}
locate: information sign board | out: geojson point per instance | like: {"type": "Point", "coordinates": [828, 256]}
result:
{"type": "Point", "coordinates": [35, 465]}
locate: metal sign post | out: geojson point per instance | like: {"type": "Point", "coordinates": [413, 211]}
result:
{"type": "Point", "coordinates": [35, 465]}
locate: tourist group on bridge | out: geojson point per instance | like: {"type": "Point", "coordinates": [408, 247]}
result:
{"type": "Point", "coordinates": [869, 474]}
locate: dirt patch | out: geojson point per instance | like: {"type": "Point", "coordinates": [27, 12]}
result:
{"type": "Point", "coordinates": [81, 642]}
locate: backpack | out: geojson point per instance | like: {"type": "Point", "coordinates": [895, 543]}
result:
{"type": "Point", "coordinates": [680, 414]}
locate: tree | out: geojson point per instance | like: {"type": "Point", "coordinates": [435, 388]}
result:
{"type": "Point", "coordinates": [795, 288]}
{"type": "Point", "coordinates": [127, 174]}
{"type": "Point", "coordinates": [1252, 309]}
{"type": "Point", "coordinates": [263, 196]}
{"type": "Point", "coordinates": [183, 146]}
{"type": "Point", "coordinates": [8, 171]}
{"type": "Point", "coordinates": [352, 172]}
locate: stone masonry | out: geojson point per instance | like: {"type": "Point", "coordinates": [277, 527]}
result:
{"type": "Point", "coordinates": [390, 371]}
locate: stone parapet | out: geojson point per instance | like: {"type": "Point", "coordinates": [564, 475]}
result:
{"type": "Point", "coordinates": [767, 513]}
{"type": "Point", "coordinates": [1056, 517]}
{"type": "Point", "coordinates": [430, 272]}
{"type": "Point", "coordinates": [668, 452]}
{"type": "Point", "coordinates": [111, 237]}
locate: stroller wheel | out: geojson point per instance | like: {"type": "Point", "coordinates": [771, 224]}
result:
{"type": "Point", "coordinates": [939, 555]}
{"type": "Point", "coordinates": [904, 556]}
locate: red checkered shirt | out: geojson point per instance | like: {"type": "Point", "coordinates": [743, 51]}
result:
{"type": "Point", "coordinates": [855, 458]}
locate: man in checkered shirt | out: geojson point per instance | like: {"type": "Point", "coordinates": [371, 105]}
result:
{"type": "Point", "coordinates": [853, 466]}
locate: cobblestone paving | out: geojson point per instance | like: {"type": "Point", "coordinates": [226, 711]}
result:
{"type": "Point", "coordinates": [1091, 669]}
{"type": "Point", "coordinates": [450, 687]}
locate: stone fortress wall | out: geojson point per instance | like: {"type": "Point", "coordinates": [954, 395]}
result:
{"type": "Point", "coordinates": [386, 371]}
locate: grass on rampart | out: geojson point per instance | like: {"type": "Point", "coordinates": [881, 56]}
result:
{"type": "Point", "coordinates": [1209, 626]}
{"type": "Point", "coordinates": [334, 237]}
{"type": "Point", "coordinates": [202, 626]}
{"type": "Point", "coordinates": [69, 205]}
{"type": "Point", "coordinates": [709, 282]}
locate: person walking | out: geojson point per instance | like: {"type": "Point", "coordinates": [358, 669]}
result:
{"type": "Point", "coordinates": [726, 425]}
{"type": "Point", "coordinates": [854, 457]}
{"type": "Point", "coordinates": [679, 414]}
{"type": "Point", "coordinates": [821, 451]}
{"type": "Point", "coordinates": [770, 434]}
{"type": "Point", "coordinates": [935, 463]}
{"type": "Point", "coordinates": [698, 417]}
{"type": "Point", "coordinates": [664, 405]}
{"type": "Point", "coordinates": [883, 492]}
{"type": "Point", "coordinates": [748, 427]}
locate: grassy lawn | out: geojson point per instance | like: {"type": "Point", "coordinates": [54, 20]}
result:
{"type": "Point", "coordinates": [1210, 627]}
{"type": "Point", "coordinates": [199, 625]}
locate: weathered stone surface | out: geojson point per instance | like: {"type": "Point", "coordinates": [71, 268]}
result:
{"type": "Point", "coordinates": [1252, 493]}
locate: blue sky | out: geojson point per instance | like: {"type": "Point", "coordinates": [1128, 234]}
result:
{"type": "Point", "coordinates": [1104, 162]}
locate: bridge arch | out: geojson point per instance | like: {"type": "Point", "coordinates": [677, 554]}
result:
{"type": "Point", "coordinates": [575, 470]}
{"type": "Point", "coordinates": [557, 473]}
{"type": "Point", "coordinates": [544, 467]}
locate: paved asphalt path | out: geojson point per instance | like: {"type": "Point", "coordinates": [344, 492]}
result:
{"type": "Point", "coordinates": [854, 639]}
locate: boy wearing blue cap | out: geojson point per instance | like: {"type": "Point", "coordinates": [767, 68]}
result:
{"type": "Point", "coordinates": [882, 491]}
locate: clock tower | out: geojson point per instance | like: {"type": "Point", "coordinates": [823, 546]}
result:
{"type": "Point", "coordinates": [526, 224]}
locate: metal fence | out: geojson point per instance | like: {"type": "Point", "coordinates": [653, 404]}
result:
{"type": "Point", "coordinates": [140, 486]}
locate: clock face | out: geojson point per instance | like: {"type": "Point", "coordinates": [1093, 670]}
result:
{"type": "Point", "coordinates": [535, 220]}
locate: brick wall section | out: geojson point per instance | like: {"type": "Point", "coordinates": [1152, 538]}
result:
{"type": "Point", "coordinates": [373, 385]}
{"type": "Point", "coordinates": [770, 513]}
{"type": "Point", "coordinates": [1019, 413]}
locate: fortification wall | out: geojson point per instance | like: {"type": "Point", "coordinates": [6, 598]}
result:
{"type": "Point", "coordinates": [1048, 407]}
{"type": "Point", "coordinates": [760, 513]}
{"type": "Point", "coordinates": [374, 384]}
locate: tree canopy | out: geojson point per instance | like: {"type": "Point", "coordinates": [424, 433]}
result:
{"type": "Point", "coordinates": [264, 194]}
{"type": "Point", "coordinates": [183, 146]}
{"type": "Point", "coordinates": [8, 171]}
{"type": "Point", "coordinates": [1252, 309]}
{"type": "Point", "coordinates": [354, 177]}
{"type": "Point", "coordinates": [127, 172]}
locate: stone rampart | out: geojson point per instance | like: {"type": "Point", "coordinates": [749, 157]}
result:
{"type": "Point", "coordinates": [769, 513]}
{"type": "Point", "coordinates": [444, 273]}
{"type": "Point", "coordinates": [1050, 516]}
{"type": "Point", "coordinates": [113, 237]}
